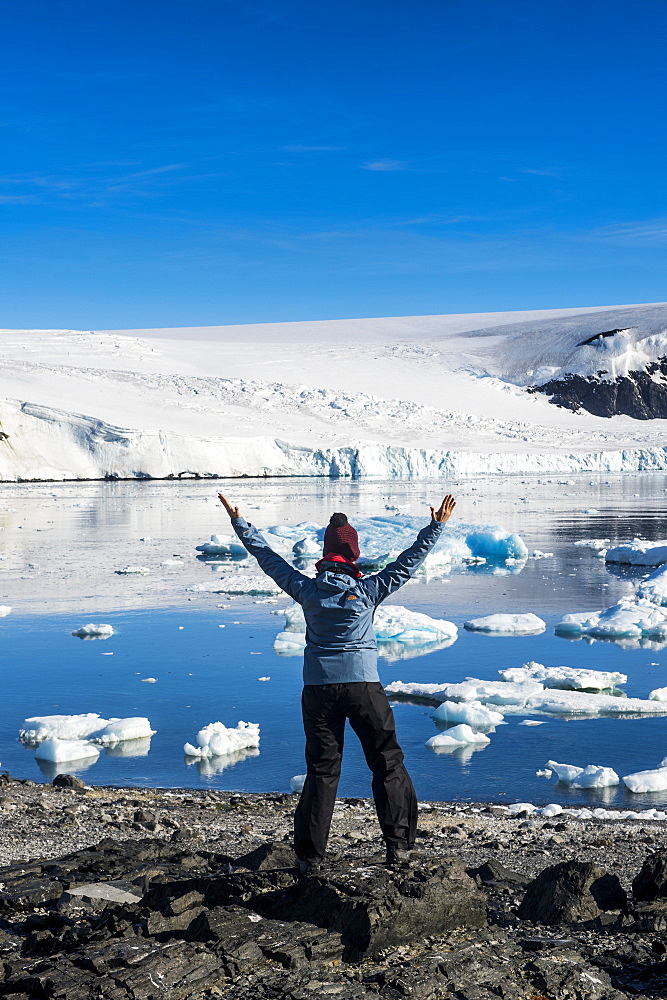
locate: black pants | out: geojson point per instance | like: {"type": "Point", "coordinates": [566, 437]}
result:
{"type": "Point", "coordinates": [325, 709]}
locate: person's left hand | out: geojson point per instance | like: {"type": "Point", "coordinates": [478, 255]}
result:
{"type": "Point", "coordinates": [232, 511]}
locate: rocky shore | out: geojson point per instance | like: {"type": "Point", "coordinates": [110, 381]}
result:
{"type": "Point", "coordinates": [135, 894]}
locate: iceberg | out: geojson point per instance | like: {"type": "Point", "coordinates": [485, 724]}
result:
{"type": "Point", "coordinates": [592, 776]}
{"type": "Point", "coordinates": [216, 740]}
{"type": "Point", "coordinates": [307, 548]}
{"type": "Point", "coordinates": [223, 545]}
{"type": "Point", "coordinates": [5, 609]}
{"type": "Point", "coordinates": [92, 631]}
{"type": "Point", "coordinates": [297, 782]}
{"type": "Point", "coordinates": [566, 678]}
{"type": "Point", "coordinates": [639, 553]}
{"type": "Point", "coordinates": [596, 544]}
{"type": "Point", "coordinates": [631, 617]}
{"type": "Point", "coordinates": [507, 624]}
{"type": "Point", "coordinates": [658, 694]}
{"type": "Point", "coordinates": [647, 781]}
{"type": "Point", "coordinates": [564, 772]}
{"type": "Point", "coordinates": [457, 736]}
{"type": "Point", "coordinates": [472, 713]}
{"type": "Point", "coordinates": [105, 732]}
{"type": "Point", "coordinates": [57, 751]}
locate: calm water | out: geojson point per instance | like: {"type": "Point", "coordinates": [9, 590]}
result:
{"type": "Point", "coordinates": [61, 545]}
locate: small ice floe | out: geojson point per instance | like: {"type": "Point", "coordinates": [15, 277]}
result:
{"type": "Point", "coordinates": [133, 571]}
{"type": "Point", "coordinates": [545, 772]}
{"type": "Point", "coordinates": [532, 722]}
{"type": "Point", "coordinates": [457, 736]}
{"type": "Point", "coordinates": [38, 728]}
{"type": "Point", "coordinates": [639, 553]}
{"type": "Point", "coordinates": [223, 545]}
{"type": "Point", "coordinates": [658, 694]}
{"type": "Point", "coordinates": [472, 713]}
{"type": "Point", "coordinates": [5, 609]}
{"type": "Point", "coordinates": [237, 583]}
{"type": "Point", "coordinates": [297, 782]}
{"type": "Point", "coordinates": [591, 510]}
{"type": "Point", "coordinates": [631, 617]}
{"type": "Point", "coordinates": [565, 678]}
{"type": "Point", "coordinates": [538, 554]}
{"type": "Point", "coordinates": [648, 781]}
{"type": "Point", "coordinates": [507, 624]}
{"type": "Point", "coordinates": [307, 548]}
{"type": "Point", "coordinates": [57, 751]}
{"type": "Point", "coordinates": [593, 543]}
{"type": "Point", "coordinates": [263, 678]}
{"type": "Point", "coordinates": [149, 680]}
{"type": "Point", "coordinates": [592, 776]}
{"type": "Point", "coordinates": [172, 563]}
{"type": "Point", "coordinates": [216, 740]}
{"type": "Point", "coordinates": [92, 631]}
{"type": "Point", "coordinates": [123, 730]}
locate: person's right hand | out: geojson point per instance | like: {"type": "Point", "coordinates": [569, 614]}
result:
{"type": "Point", "coordinates": [445, 510]}
{"type": "Point", "coordinates": [232, 511]}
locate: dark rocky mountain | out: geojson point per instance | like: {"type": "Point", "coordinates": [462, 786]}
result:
{"type": "Point", "coordinates": [639, 394]}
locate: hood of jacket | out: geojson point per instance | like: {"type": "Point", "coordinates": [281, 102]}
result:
{"type": "Point", "coordinates": [335, 583]}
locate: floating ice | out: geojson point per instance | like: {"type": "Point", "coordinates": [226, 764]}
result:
{"type": "Point", "coordinates": [223, 545]}
{"type": "Point", "coordinates": [538, 554]}
{"type": "Point", "coordinates": [529, 697]}
{"type": "Point", "coordinates": [472, 713]}
{"type": "Point", "coordinates": [57, 751]}
{"type": "Point", "coordinates": [565, 772]}
{"type": "Point", "coordinates": [639, 553]}
{"type": "Point", "coordinates": [647, 781]}
{"type": "Point", "coordinates": [592, 776]}
{"type": "Point", "coordinates": [92, 631]}
{"type": "Point", "coordinates": [121, 730]}
{"type": "Point", "coordinates": [532, 722]}
{"type": "Point", "coordinates": [457, 736]}
{"type": "Point", "coordinates": [658, 694]}
{"type": "Point", "coordinates": [507, 624]}
{"type": "Point", "coordinates": [631, 617]}
{"type": "Point", "coordinates": [4, 610]}
{"type": "Point", "coordinates": [297, 782]}
{"type": "Point", "coordinates": [216, 740]}
{"type": "Point", "coordinates": [237, 583]}
{"type": "Point", "coordinates": [149, 680]}
{"type": "Point", "coordinates": [566, 678]}
{"type": "Point", "coordinates": [654, 587]}
{"type": "Point", "coordinates": [64, 727]}
{"type": "Point", "coordinates": [593, 543]}
{"type": "Point", "coordinates": [307, 548]}
{"type": "Point", "coordinates": [133, 571]}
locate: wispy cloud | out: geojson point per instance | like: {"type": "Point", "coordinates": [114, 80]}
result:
{"type": "Point", "coordinates": [648, 233]}
{"type": "Point", "coordinates": [384, 165]}
{"type": "Point", "coordinates": [538, 173]}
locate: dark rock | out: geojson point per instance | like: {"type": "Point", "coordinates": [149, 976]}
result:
{"type": "Point", "coordinates": [572, 892]}
{"type": "Point", "coordinates": [268, 856]}
{"type": "Point", "coordinates": [373, 908]}
{"type": "Point", "coordinates": [638, 394]}
{"type": "Point", "coordinates": [493, 871]}
{"type": "Point", "coordinates": [68, 781]}
{"type": "Point", "coordinates": [27, 892]}
{"type": "Point", "coordinates": [651, 882]}
{"type": "Point", "coordinates": [650, 917]}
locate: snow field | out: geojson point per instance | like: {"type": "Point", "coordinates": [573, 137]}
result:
{"type": "Point", "coordinates": [216, 740]}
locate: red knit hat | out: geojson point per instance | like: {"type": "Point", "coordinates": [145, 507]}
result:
{"type": "Point", "coordinates": [341, 539]}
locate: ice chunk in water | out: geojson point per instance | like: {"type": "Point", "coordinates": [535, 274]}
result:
{"type": "Point", "coordinates": [658, 694]}
{"type": "Point", "coordinates": [92, 631]}
{"type": "Point", "coordinates": [647, 781]}
{"type": "Point", "coordinates": [63, 727]}
{"type": "Point", "coordinates": [216, 740]}
{"type": "Point", "coordinates": [592, 776]}
{"type": "Point", "coordinates": [566, 678]}
{"type": "Point", "coordinates": [596, 544]}
{"type": "Point", "coordinates": [237, 583]}
{"type": "Point", "coordinates": [565, 772]}
{"type": "Point", "coordinates": [223, 545]}
{"type": "Point", "coordinates": [297, 782]}
{"type": "Point", "coordinates": [307, 548]}
{"type": "Point", "coordinates": [5, 609]}
{"type": "Point", "coordinates": [457, 736]}
{"type": "Point", "coordinates": [631, 617]}
{"type": "Point", "coordinates": [472, 713]}
{"type": "Point", "coordinates": [121, 730]}
{"type": "Point", "coordinates": [133, 571]}
{"type": "Point", "coordinates": [507, 624]}
{"type": "Point", "coordinates": [639, 553]}
{"type": "Point", "coordinates": [56, 750]}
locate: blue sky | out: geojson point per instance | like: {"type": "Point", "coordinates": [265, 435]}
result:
{"type": "Point", "coordinates": [196, 162]}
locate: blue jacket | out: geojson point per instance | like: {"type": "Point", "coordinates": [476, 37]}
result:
{"type": "Point", "coordinates": [340, 640]}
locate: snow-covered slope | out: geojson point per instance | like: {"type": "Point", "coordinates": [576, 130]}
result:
{"type": "Point", "coordinates": [426, 395]}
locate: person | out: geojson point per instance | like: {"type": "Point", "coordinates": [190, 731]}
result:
{"type": "Point", "coordinates": [341, 680]}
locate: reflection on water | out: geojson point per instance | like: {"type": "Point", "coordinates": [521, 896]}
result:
{"type": "Point", "coordinates": [130, 748]}
{"type": "Point", "coordinates": [461, 754]}
{"type": "Point", "coordinates": [50, 768]}
{"type": "Point", "coordinates": [208, 767]}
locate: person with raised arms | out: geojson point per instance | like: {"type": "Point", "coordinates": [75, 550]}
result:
{"type": "Point", "coordinates": [341, 680]}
